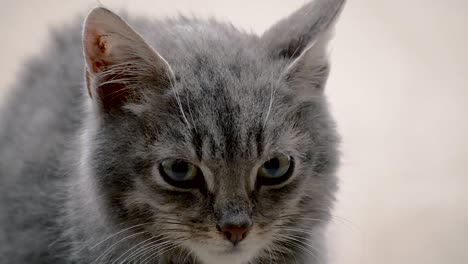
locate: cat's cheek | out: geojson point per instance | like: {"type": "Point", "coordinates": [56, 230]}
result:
{"type": "Point", "coordinates": [159, 199]}
{"type": "Point", "coordinates": [275, 202]}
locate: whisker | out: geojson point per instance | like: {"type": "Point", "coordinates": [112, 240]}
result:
{"type": "Point", "coordinates": [270, 253]}
{"type": "Point", "coordinates": [306, 248]}
{"type": "Point", "coordinates": [158, 251]}
{"type": "Point", "coordinates": [303, 231]}
{"type": "Point", "coordinates": [190, 113]}
{"type": "Point", "coordinates": [126, 229]}
{"type": "Point", "coordinates": [189, 252]}
{"type": "Point", "coordinates": [341, 219]}
{"type": "Point", "coordinates": [149, 249]}
{"type": "Point", "coordinates": [115, 244]}
{"type": "Point", "coordinates": [135, 246]}
{"type": "Point", "coordinates": [273, 90]}
{"type": "Point", "coordinates": [179, 102]}
{"type": "Point", "coordinates": [173, 223]}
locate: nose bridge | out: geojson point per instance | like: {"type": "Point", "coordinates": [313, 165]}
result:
{"type": "Point", "coordinates": [231, 184]}
{"type": "Point", "coordinates": [232, 206]}
{"type": "Point", "coordinates": [232, 202]}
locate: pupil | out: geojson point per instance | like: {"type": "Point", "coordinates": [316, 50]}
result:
{"type": "Point", "coordinates": [180, 167]}
{"type": "Point", "coordinates": [272, 165]}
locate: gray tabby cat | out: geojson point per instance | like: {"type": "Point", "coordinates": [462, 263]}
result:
{"type": "Point", "coordinates": [193, 142]}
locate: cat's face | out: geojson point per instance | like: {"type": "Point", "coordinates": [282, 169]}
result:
{"type": "Point", "coordinates": [221, 153]}
{"type": "Point", "coordinates": [188, 180]}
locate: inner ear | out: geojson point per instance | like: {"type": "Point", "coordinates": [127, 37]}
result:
{"type": "Point", "coordinates": [290, 37]}
{"type": "Point", "coordinates": [308, 71]}
{"type": "Point", "coordinates": [302, 39]}
{"type": "Point", "coordinates": [293, 50]}
{"type": "Point", "coordinates": [119, 62]}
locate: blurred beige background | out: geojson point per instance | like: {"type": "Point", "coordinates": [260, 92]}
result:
{"type": "Point", "coordinates": [398, 89]}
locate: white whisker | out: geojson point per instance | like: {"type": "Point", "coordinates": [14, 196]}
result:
{"type": "Point", "coordinates": [126, 229]}
{"type": "Point", "coordinates": [269, 106]}
{"type": "Point", "coordinates": [130, 249]}
{"type": "Point", "coordinates": [273, 90]}
{"type": "Point", "coordinates": [136, 253]}
{"type": "Point", "coordinates": [115, 244]}
{"type": "Point", "coordinates": [158, 251]}
{"type": "Point", "coordinates": [179, 102]}
{"type": "Point", "coordinates": [297, 242]}
{"type": "Point", "coordinates": [187, 255]}
{"type": "Point", "coordinates": [190, 113]}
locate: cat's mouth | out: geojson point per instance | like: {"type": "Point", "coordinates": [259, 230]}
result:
{"type": "Point", "coordinates": [226, 252]}
{"type": "Point", "coordinates": [228, 249]}
{"type": "Point", "coordinates": [233, 249]}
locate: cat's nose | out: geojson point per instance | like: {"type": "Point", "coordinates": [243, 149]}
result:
{"type": "Point", "coordinates": [235, 233]}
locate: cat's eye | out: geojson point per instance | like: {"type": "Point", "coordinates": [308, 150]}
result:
{"type": "Point", "coordinates": [275, 170]}
{"type": "Point", "coordinates": [180, 173]}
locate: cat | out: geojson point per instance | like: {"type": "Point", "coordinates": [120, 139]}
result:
{"type": "Point", "coordinates": [188, 142]}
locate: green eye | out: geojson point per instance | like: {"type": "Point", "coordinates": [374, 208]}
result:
{"type": "Point", "coordinates": [179, 173]}
{"type": "Point", "coordinates": [275, 170]}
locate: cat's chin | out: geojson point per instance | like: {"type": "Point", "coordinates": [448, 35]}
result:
{"type": "Point", "coordinates": [226, 253]}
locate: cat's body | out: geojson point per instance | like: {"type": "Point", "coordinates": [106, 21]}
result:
{"type": "Point", "coordinates": [77, 177]}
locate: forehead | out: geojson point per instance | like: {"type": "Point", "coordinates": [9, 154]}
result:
{"type": "Point", "coordinates": [223, 118]}
{"type": "Point", "coordinates": [222, 95]}
{"type": "Point", "coordinates": [217, 117]}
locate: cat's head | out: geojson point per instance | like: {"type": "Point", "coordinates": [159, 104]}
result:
{"type": "Point", "coordinates": [215, 141]}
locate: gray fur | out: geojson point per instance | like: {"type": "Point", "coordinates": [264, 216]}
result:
{"type": "Point", "coordinates": [74, 171]}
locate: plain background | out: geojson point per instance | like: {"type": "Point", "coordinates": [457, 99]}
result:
{"type": "Point", "coordinates": [398, 89]}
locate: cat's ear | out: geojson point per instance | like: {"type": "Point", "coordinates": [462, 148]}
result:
{"type": "Point", "coordinates": [302, 40]}
{"type": "Point", "coordinates": [119, 62]}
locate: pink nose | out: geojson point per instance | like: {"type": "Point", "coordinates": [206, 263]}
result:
{"type": "Point", "coordinates": [234, 233]}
